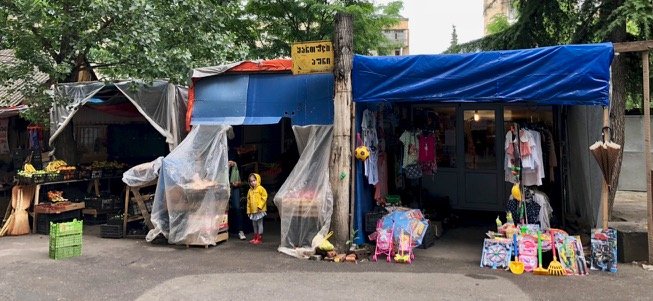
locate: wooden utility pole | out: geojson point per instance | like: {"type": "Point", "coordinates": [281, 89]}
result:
{"type": "Point", "coordinates": [644, 48]}
{"type": "Point", "coordinates": [340, 161]}
{"type": "Point", "coordinates": [647, 151]}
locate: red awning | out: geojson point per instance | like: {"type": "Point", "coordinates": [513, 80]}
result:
{"type": "Point", "coordinates": [269, 66]}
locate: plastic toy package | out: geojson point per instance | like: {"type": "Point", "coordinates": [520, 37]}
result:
{"type": "Point", "coordinates": [604, 250]}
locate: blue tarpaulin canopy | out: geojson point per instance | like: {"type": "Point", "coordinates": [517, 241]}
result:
{"type": "Point", "coordinates": [559, 75]}
{"type": "Point", "coordinates": [252, 99]}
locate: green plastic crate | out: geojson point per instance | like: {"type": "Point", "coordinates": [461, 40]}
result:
{"type": "Point", "coordinates": [64, 229]}
{"type": "Point", "coordinates": [65, 252]}
{"type": "Point", "coordinates": [65, 241]}
{"type": "Point", "coordinates": [393, 199]}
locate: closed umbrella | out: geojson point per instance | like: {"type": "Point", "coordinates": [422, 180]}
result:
{"type": "Point", "coordinates": [606, 154]}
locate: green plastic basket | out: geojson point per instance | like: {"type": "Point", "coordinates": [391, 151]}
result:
{"type": "Point", "coordinates": [64, 229]}
{"type": "Point", "coordinates": [65, 252]}
{"type": "Point", "coordinates": [65, 241]}
{"type": "Point", "coordinates": [393, 199]}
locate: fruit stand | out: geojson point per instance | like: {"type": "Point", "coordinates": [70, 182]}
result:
{"type": "Point", "coordinates": [68, 206]}
{"type": "Point", "coordinates": [58, 174]}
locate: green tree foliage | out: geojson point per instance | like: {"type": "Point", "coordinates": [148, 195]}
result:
{"type": "Point", "coordinates": [545, 23]}
{"type": "Point", "coordinates": [498, 24]}
{"type": "Point", "coordinates": [453, 45]}
{"type": "Point", "coordinates": [271, 26]}
{"type": "Point", "coordinates": [120, 38]}
{"type": "Point", "coordinates": [149, 39]}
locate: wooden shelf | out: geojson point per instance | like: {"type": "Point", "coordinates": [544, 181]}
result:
{"type": "Point", "coordinates": [140, 201]}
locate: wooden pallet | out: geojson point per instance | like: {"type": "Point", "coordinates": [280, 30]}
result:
{"type": "Point", "coordinates": [222, 236]}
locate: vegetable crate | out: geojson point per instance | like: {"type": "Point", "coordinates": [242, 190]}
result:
{"type": "Point", "coordinates": [65, 252]}
{"type": "Point", "coordinates": [69, 228]}
{"type": "Point", "coordinates": [111, 231]}
{"type": "Point", "coordinates": [371, 218]}
{"type": "Point", "coordinates": [65, 239]}
{"type": "Point", "coordinates": [44, 221]}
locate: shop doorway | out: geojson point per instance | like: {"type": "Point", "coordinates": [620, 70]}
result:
{"type": "Point", "coordinates": [470, 154]}
{"type": "Point", "coordinates": [481, 173]}
{"type": "Point", "coordinates": [269, 150]}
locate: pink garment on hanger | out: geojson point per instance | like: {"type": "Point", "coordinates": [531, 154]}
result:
{"type": "Point", "coordinates": [426, 148]}
{"type": "Point", "coordinates": [524, 147]}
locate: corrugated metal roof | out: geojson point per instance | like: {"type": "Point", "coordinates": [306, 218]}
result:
{"type": "Point", "coordinates": [8, 97]}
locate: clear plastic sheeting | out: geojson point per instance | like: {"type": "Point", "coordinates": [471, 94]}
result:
{"type": "Point", "coordinates": [142, 174]}
{"type": "Point", "coordinates": [190, 202]}
{"type": "Point", "coordinates": [161, 103]}
{"type": "Point", "coordinates": [305, 200]}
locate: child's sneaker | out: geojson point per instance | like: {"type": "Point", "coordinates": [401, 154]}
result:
{"type": "Point", "coordinates": [241, 235]}
{"type": "Point", "coordinates": [259, 240]}
{"type": "Point", "coordinates": [255, 239]}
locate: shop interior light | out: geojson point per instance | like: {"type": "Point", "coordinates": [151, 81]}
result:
{"type": "Point", "coordinates": [476, 116]}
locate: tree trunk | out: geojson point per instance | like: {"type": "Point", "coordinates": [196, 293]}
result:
{"type": "Point", "coordinates": [340, 161]}
{"type": "Point", "coordinates": [617, 121]}
{"type": "Point", "coordinates": [618, 101]}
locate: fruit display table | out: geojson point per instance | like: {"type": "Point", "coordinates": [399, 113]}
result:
{"type": "Point", "coordinates": [59, 212]}
{"type": "Point", "coordinates": [93, 184]}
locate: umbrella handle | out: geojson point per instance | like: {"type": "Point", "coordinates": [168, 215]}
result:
{"type": "Point", "coordinates": [603, 130]}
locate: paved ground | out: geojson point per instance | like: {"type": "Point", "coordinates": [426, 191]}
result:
{"type": "Point", "coordinates": [128, 269]}
{"type": "Point", "coordinates": [630, 206]}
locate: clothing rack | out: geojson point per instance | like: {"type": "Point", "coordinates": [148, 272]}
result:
{"type": "Point", "coordinates": [518, 163]}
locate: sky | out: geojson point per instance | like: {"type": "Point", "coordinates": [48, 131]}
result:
{"type": "Point", "coordinates": [430, 23]}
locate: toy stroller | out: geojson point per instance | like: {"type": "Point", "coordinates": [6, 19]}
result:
{"type": "Point", "coordinates": [405, 248]}
{"type": "Point", "coordinates": [384, 244]}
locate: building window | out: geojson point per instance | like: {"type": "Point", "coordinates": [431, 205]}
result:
{"type": "Point", "coordinates": [87, 137]}
{"type": "Point", "coordinates": [398, 52]}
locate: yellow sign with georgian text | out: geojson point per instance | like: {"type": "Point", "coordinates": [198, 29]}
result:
{"type": "Point", "coordinates": [312, 57]}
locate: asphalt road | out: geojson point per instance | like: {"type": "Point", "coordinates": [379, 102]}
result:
{"type": "Point", "coordinates": [128, 269]}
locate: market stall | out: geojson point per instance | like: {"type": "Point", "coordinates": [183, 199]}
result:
{"type": "Point", "coordinates": [440, 128]}
{"type": "Point", "coordinates": [264, 123]}
{"type": "Point", "coordinates": [113, 126]}
{"type": "Point", "coordinates": [192, 195]}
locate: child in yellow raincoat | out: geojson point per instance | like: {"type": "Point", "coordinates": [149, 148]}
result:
{"type": "Point", "coordinates": [257, 198]}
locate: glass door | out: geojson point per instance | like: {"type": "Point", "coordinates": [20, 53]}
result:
{"type": "Point", "coordinates": [482, 172]}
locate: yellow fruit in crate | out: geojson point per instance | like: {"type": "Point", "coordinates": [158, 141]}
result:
{"type": "Point", "coordinates": [29, 168]}
{"type": "Point", "coordinates": [362, 153]}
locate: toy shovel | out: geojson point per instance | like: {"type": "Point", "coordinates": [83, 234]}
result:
{"type": "Point", "coordinates": [516, 266]}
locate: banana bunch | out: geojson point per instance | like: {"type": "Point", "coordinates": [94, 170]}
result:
{"type": "Point", "coordinates": [55, 166]}
{"type": "Point", "coordinates": [29, 168]}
